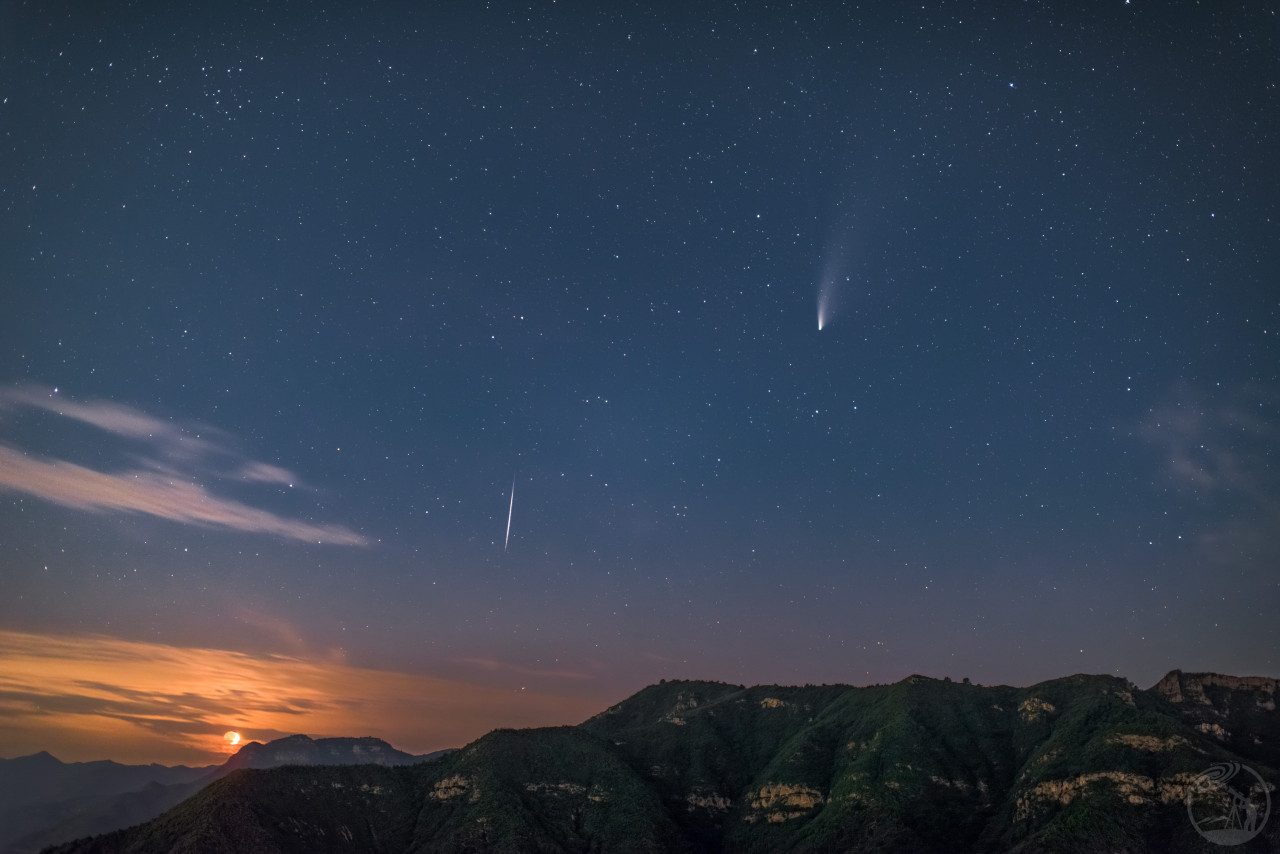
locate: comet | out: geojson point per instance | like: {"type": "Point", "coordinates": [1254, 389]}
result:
{"type": "Point", "coordinates": [837, 269]}
{"type": "Point", "coordinates": [510, 509]}
{"type": "Point", "coordinates": [828, 296]}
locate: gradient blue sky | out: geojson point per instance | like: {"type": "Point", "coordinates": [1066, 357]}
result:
{"type": "Point", "coordinates": [291, 295]}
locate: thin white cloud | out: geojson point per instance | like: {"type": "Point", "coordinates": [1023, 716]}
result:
{"type": "Point", "coordinates": [112, 417]}
{"type": "Point", "coordinates": [267, 473]}
{"type": "Point", "coordinates": [158, 489]}
{"type": "Point", "coordinates": [75, 486]}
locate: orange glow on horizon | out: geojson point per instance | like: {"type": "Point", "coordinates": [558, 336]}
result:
{"type": "Point", "coordinates": [85, 698]}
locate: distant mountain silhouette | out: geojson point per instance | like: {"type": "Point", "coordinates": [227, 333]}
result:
{"type": "Point", "coordinates": [44, 801]}
{"type": "Point", "coordinates": [1079, 764]}
{"type": "Point", "coordinates": [301, 750]}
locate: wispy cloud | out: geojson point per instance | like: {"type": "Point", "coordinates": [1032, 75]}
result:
{"type": "Point", "coordinates": [87, 697]}
{"type": "Point", "coordinates": [111, 417]}
{"type": "Point", "coordinates": [1214, 444]}
{"type": "Point", "coordinates": [265, 473]}
{"type": "Point", "coordinates": [1216, 448]}
{"type": "Point", "coordinates": [147, 492]}
{"type": "Point", "coordinates": [166, 486]}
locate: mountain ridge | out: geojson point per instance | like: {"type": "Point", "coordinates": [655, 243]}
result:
{"type": "Point", "coordinates": [1080, 763]}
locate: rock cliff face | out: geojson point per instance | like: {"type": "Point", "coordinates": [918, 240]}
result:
{"type": "Point", "coordinates": [1181, 687]}
{"type": "Point", "coordinates": [1238, 712]}
{"type": "Point", "coordinates": [1084, 763]}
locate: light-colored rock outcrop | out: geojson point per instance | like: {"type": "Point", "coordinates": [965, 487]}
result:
{"type": "Point", "coordinates": [1131, 788]}
{"type": "Point", "coordinates": [778, 802]}
{"type": "Point", "coordinates": [1150, 743]}
{"type": "Point", "coordinates": [452, 788]}
{"type": "Point", "coordinates": [1179, 687]}
{"type": "Point", "coordinates": [574, 790]}
{"type": "Point", "coordinates": [684, 703]}
{"type": "Point", "coordinates": [709, 801]}
{"type": "Point", "coordinates": [1033, 707]}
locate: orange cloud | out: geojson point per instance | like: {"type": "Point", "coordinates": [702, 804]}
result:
{"type": "Point", "coordinates": [98, 697]}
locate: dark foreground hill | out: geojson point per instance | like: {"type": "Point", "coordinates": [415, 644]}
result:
{"type": "Point", "coordinates": [45, 801]}
{"type": "Point", "coordinates": [1081, 764]}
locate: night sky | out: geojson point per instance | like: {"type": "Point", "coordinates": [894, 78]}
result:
{"type": "Point", "coordinates": [292, 298]}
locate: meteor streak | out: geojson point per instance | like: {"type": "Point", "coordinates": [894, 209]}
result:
{"type": "Point", "coordinates": [510, 509]}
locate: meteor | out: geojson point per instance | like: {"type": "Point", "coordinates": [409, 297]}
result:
{"type": "Point", "coordinates": [510, 509]}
